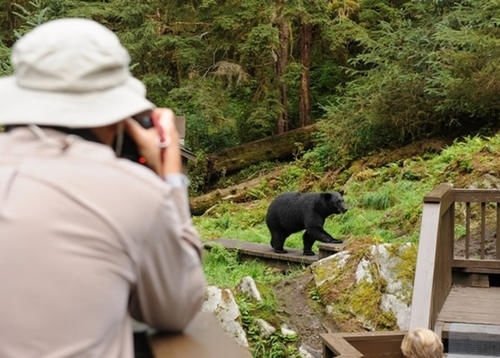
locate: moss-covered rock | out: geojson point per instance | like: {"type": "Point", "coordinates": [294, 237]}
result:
{"type": "Point", "coordinates": [369, 285]}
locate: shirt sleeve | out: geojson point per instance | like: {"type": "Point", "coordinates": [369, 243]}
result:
{"type": "Point", "coordinates": [170, 283]}
{"type": "Point", "coordinates": [177, 180]}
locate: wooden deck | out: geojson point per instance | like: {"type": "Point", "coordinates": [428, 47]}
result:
{"type": "Point", "coordinates": [472, 305]}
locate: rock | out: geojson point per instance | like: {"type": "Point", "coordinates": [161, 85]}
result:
{"type": "Point", "coordinates": [361, 276]}
{"type": "Point", "coordinates": [486, 181]}
{"type": "Point", "coordinates": [329, 268]}
{"type": "Point", "coordinates": [388, 265]}
{"type": "Point", "coordinates": [396, 289]}
{"type": "Point", "coordinates": [363, 271]}
{"type": "Point", "coordinates": [287, 332]}
{"type": "Point", "coordinates": [266, 329]}
{"type": "Point", "coordinates": [401, 310]}
{"type": "Point", "coordinates": [222, 303]}
{"type": "Point", "coordinates": [307, 352]}
{"type": "Point", "coordinates": [248, 286]}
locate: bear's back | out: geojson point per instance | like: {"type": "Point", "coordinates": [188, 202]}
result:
{"type": "Point", "coordinates": [287, 211]}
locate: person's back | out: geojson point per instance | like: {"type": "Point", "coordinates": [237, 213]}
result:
{"type": "Point", "coordinates": [86, 240]}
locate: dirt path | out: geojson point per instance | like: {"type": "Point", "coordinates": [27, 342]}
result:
{"type": "Point", "coordinates": [292, 295]}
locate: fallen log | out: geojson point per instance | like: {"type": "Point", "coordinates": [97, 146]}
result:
{"type": "Point", "coordinates": [278, 147]}
{"type": "Point", "coordinates": [236, 193]}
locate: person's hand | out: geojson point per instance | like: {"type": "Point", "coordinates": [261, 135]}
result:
{"type": "Point", "coordinates": [148, 142]}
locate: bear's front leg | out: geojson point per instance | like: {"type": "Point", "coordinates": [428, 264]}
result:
{"type": "Point", "coordinates": [321, 235]}
{"type": "Point", "coordinates": [308, 241]}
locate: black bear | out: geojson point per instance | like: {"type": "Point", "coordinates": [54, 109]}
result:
{"type": "Point", "coordinates": [291, 212]}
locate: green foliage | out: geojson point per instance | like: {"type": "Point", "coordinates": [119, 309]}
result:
{"type": "Point", "coordinates": [223, 269]}
{"type": "Point", "coordinates": [5, 66]}
{"type": "Point", "coordinates": [417, 74]}
{"type": "Point", "coordinates": [379, 200]}
{"type": "Point", "coordinates": [274, 346]}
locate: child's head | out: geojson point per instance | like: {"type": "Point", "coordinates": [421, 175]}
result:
{"type": "Point", "coordinates": [422, 343]}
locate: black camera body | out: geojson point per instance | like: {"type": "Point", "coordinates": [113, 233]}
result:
{"type": "Point", "coordinates": [129, 149]}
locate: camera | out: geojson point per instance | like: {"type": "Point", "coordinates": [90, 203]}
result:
{"type": "Point", "coordinates": [129, 148]}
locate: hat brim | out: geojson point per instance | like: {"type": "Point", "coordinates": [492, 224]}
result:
{"type": "Point", "coordinates": [20, 105]}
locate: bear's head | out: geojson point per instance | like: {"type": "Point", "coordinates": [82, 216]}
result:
{"type": "Point", "coordinates": [334, 202]}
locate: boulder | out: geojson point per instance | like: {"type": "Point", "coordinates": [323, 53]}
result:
{"type": "Point", "coordinates": [248, 286]}
{"type": "Point", "coordinates": [372, 285]}
{"type": "Point", "coordinates": [266, 329]}
{"type": "Point", "coordinates": [222, 303]}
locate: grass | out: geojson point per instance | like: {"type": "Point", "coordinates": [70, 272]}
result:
{"type": "Point", "coordinates": [224, 269]}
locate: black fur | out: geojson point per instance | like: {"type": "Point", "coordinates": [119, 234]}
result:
{"type": "Point", "coordinates": [292, 212]}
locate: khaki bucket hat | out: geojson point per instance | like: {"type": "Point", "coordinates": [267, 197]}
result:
{"type": "Point", "coordinates": [71, 73]}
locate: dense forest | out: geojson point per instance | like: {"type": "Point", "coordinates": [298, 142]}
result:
{"type": "Point", "coordinates": [374, 73]}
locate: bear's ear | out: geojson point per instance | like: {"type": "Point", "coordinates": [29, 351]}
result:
{"type": "Point", "coordinates": [341, 192]}
{"type": "Point", "coordinates": [326, 196]}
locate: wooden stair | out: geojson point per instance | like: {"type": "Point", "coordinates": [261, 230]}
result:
{"type": "Point", "coordinates": [266, 253]}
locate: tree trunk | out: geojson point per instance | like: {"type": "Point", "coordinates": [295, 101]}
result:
{"type": "Point", "coordinates": [237, 193]}
{"type": "Point", "coordinates": [305, 55]}
{"type": "Point", "coordinates": [278, 147]}
{"type": "Point", "coordinates": [282, 123]}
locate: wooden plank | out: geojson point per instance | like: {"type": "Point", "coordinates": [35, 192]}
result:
{"type": "Point", "coordinates": [438, 193]}
{"type": "Point", "coordinates": [443, 271]}
{"type": "Point", "coordinates": [483, 229]}
{"type": "Point", "coordinates": [452, 229]}
{"type": "Point", "coordinates": [441, 194]}
{"type": "Point", "coordinates": [481, 270]}
{"type": "Point", "coordinates": [203, 338]}
{"type": "Point", "coordinates": [477, 195]}
{"type": "Point", "coordinates": [467, 229]}
{"type": "Point", "coordinates": [264, 251]}
{"type": "Point", "coordinates": [366, 344]}
{"type": "Point", "coordinates": [466, 330]}
{"type": "Point", "coordinates": [424, 275]}
{"type": "Point", "coordinates": [326, 250]}
{"type": "Point", "coordinates": [483, 264]}
{"type": "Point", "coordinates": [479, 280]}
{"type": "Point", "coordinates": [498, 231]}
{"type": "Point", "coordinates": [472, 305]}
{"type": "Point", "coordinates": [334, 345]}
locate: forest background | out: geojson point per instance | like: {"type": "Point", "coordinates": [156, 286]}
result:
{"type": "Point", "coordinates": [374, 73]}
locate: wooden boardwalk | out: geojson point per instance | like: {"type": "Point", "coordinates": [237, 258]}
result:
{"type": "Point", "coordinates": [265, 251]}
{"type": "Point", "coordinates": [472, 305]}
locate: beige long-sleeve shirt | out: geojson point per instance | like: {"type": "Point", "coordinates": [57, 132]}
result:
{"type": "Point", "coordinates": [86, 240]}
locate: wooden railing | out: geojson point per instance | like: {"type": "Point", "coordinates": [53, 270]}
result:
{"type": "Point", "coordinates": [436, 260]}
{"type": "Point", "coordinates": [202, 338]}
{"type": "Point", "coordinates": [362, 345]}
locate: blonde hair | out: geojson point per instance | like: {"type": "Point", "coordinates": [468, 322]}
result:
{"type": "Point", "coordinates": [422, 343]}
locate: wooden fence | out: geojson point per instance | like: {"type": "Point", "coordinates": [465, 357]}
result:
{"type": "Point", "coordinates": [436, 259]}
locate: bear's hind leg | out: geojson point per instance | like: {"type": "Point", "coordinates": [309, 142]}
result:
{"type": "Point", "coordinates": [308, 241]}
{"type": "Point", "coordinates": [277, 241]}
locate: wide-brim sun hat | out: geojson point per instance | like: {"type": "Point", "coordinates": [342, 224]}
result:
{"type": "Point", "coordinates": [70, 73]}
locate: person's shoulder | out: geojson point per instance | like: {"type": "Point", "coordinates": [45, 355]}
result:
{"type": "Point", "coordinates": [117, 171]}
{"type": "Point", "coordinates": [139, 173]}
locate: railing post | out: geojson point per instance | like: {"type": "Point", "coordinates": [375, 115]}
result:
{"type": "Point", "coordinates": [498, 232]}
{"type": "Point", "coordinates": [428, 286]}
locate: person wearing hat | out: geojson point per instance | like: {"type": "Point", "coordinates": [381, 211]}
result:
{"type": "Point", "coordinates": [88, 240]}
